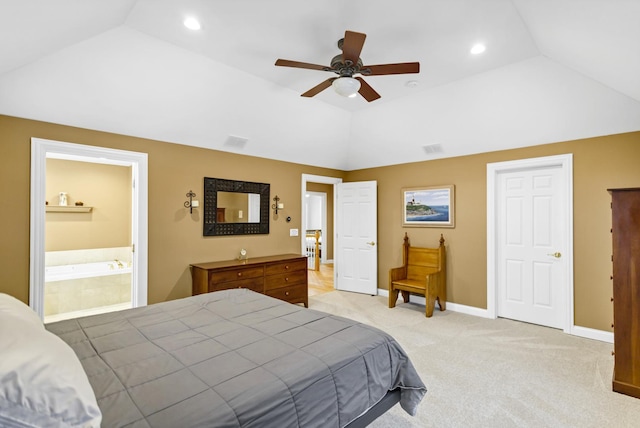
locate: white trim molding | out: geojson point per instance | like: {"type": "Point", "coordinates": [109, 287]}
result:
{"type": "Point", "coordinates": [584, 332]}
{"type": "Point", "coordinates": [453, 307]}
{"type": "Point", "coordinates": [42, 149]}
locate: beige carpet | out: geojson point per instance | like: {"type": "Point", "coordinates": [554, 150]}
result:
{"type": "Point", "coordinates": [493, 373]}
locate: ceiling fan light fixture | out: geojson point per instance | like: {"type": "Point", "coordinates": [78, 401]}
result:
{"type": "Point", "coordinates": [192, 23]}
{"type": "Point", "coordinates": [346, 86]}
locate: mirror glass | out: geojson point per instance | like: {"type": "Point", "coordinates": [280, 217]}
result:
{"type": "Point", "coordinates": [233, 207]}
{"type": "Point", "coordinates": [238, 207]}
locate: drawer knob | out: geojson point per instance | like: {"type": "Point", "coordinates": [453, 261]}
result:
{"type": "Point", "coordinates": [239, 273]}
{"type": "Point", "coordinates": [286, 293]}
{"type": "Point", "coordinates": [286, 279]}
{"type": "Point", "coordinates": [286, 266]}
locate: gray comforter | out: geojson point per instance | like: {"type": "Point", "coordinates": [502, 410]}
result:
{"type": "Point", "coordinates": [236, 358]}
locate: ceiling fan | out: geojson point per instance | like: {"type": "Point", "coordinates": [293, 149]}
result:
{"type": "Point", "coordinates": [347, 65]}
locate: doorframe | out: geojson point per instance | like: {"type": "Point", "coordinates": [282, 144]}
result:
{"type": "Point", "coordinates": [41, 149]}
{"type": "Point", "coordinates": [565, 162]}
{"type": "Point", "coordinates": [310, 178]}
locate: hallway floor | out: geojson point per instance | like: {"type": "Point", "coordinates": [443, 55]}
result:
{"type": "Point", "coordinates": [321, 281]}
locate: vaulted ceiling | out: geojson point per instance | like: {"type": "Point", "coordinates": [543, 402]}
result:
{"type": "Point", "coordinates": [553, 70]}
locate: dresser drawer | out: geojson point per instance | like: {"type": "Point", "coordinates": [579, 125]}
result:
{"type": "Point", "coordinates": [255, 284]}
{"type": "Point", "coordinates": [285, 279]}
{"type": "Point", "coordinates": [216, 277]}
{"type": "Point", "coordinates": [284, 267]}
{"type": "Point", "coordinates": [291, 294]}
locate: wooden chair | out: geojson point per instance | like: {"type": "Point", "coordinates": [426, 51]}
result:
{"type": "Point", "coordinates": [423, 272]}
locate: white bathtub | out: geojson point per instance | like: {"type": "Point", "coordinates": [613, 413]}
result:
{"type": "Point", "coordinates": [85, 270]}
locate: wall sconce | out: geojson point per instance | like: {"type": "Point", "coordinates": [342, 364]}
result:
{"type": "Point", "coordinates": [277, 206]}
{"type": "Point", "coordinates": [191, 204]}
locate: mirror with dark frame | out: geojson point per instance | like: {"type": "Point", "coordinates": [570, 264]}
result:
{"type": "Point", "coordinates": [233, 207]}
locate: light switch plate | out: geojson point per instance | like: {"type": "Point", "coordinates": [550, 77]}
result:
{"type": "Point", "coordinates": [293, 232]}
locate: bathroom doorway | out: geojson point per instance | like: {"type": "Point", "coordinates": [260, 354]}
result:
{"type": "Point", "coordinates": [88, 230]}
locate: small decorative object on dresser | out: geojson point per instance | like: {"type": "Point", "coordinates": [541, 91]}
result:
{"type": "Point", "coordinates": [625, 215]}
{"type": "Point", "coordinates": [283, 276]}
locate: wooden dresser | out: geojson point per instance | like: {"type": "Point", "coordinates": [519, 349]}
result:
{"type": "Point", "coordinates": [283, 276]}
{"type": "Point", "coordinates": [626, 290]}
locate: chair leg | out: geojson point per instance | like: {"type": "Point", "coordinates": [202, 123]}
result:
{"type": "Point", "coordinates": [431, 303]}
{"type": "Point", "coordinates": [405, 296]}
{"type": "Point", "coordinates": [393, 297]}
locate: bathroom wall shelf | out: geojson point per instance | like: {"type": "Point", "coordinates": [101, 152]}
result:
{"type": "Point", "coordinates": [59, 209]}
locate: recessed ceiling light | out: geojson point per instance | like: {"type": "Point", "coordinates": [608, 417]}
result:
{"type": "Point", "coordinates": [192, 23]}
{"type": "Point", "coordinates": [411, 83]}
{"type": "Point", "coordinates": [478, 48]}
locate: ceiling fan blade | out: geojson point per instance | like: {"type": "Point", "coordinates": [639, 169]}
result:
{"type": "Point", "coordinates": [352, 46]}
{"type": "Point", "coordinates": [401, 68]}
{"type": "Point", "coordinates": [367, 91]}
{"type": "Point", "coordinates": [319, 88]}
{"type": "Point", "coordinates": [297, 64]}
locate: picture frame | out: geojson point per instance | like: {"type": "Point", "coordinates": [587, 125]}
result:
{"type": "Point", "coordinates": [432, 206]}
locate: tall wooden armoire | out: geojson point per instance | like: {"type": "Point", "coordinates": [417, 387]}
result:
{"type": "Point", "coordinates": [626, 290]}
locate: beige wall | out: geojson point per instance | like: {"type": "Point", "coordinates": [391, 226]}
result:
{"type": "Point", "coordinates": [175, 236]}
{"type": "Point", "coordinates": [105, 188]}
{"type": "Point", "coordinates": [598, 164]}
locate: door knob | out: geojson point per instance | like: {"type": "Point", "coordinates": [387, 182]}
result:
{"type": "Point", "coordinates": [371, 243]}
{"type": "Point", "coordinates": [557, 255]}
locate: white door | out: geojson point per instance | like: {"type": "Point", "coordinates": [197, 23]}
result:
{"type": "Point", "coordinates": [530, 227]}
{"type": "Point", "coordinates": [357, 237]}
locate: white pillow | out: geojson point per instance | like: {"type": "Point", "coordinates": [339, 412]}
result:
{"type": "Point", "coordinates": [42, 382]}
{"type": "Point", "coordinates": [9, 305]}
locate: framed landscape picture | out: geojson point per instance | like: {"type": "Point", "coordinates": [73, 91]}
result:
{"type": "Point", "coordinates": [428, 206]}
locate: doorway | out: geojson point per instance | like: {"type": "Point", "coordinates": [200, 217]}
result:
{"type": "Point", "coordinates": [129, 266]}
{"type": "Point", "coordinates": [327, 276]}
{"type": "Point", "coordinates": [316, 221]}
{"type": "Point", "coordinates": [530, 241]}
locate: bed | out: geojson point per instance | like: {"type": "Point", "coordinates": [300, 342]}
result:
{"type": "Point", "coordinates": [224, 359]}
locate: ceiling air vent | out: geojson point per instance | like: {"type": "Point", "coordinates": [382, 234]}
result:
{"type": "Point", "coordinates": [432, 149]}
{"type": "Point", "coordinates": [238, 142]}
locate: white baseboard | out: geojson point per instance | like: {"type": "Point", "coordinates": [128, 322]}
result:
{"type": "Point", "coordinates": [587, 333]}
{"type": "Point", "coordinates": [590, 333]}
{"type": "Point", "coordinates": [454, 307]}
